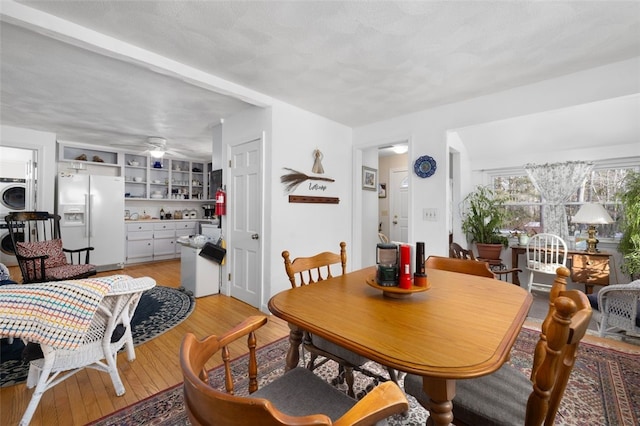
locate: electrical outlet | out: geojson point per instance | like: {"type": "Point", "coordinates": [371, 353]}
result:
{"type": "Point", "coordinates": [430, 215]}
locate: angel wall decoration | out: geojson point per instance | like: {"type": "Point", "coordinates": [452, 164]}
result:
{"type": "Point", "coordinates": [317, 162]}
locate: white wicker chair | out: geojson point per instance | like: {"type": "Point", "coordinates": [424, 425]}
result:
{"type": "Point", "coordinates": [618, 309]}
{"type": "Point", "coordinates": [117, 307]}
{"type": "Point", "coordinates": [545, 254]}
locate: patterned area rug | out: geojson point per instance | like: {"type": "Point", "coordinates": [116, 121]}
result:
{"type": "Point", "coordinates": [603, 389]}
{"type": "Point", "coordinates": [160, 309]}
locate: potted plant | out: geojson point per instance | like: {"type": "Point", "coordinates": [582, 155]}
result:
{"type": "Point", "coordinates": [482, 216]}
{"type": "Point", "coordinates": [629, 245]}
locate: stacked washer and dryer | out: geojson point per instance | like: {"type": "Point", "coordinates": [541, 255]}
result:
{"type": "Point", "coordinates": [17, 173]}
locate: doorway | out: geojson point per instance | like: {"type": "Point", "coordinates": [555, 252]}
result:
{"type": "Point", "coordinates": [393, 205]}
{"type": "Point", "coordinates": [399, 205]}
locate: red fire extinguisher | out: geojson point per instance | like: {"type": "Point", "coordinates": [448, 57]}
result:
{"type": "Point", "coordinates": [221, 202]}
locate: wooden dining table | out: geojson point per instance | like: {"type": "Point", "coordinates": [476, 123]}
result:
{"type": "Point", "coordinates": [462, 327]}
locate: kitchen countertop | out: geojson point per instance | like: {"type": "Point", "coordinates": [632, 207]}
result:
{"type": "Point", "coordinates": [155, 219]}
{"type": "Point", "coordinates": [197, 241]}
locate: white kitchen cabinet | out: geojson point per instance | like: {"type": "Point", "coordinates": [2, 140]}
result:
{"type": "Point", "coordinates": [139, 242]}
{"type": "Point", "coordinates": [184, 229]}
{"type": "Point", "coordinates": [164, 240]}
{"type": "Point", "coordinates": [156, 240]}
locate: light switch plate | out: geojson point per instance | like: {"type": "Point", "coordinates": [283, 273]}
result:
{"type": "Point", "coordinates": [430, 215]}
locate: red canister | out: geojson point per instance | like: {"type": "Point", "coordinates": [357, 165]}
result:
{"type": "Point", "coordinates": [404, 278]}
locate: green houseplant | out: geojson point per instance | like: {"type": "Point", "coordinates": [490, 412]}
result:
{"type": "Point", "coordinates": [483, 214]}
{"type": "Point", "coordinates": [629, 245]}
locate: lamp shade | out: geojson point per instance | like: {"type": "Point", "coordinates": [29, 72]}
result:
{"type": "Point", "coordinates": [592, 214]}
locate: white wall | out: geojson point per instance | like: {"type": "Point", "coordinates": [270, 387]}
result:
{"type": "Point", "coordinates": [291, 136]}
{"type": "Point", "coordinates": [45, 144]}
{"type": "Point", "coordinates": [428, 130]}
{"type": "Point", "coordinates": [307, 229]}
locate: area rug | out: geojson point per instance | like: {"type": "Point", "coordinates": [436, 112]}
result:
{"type": "Point", "coordinates": [160, 309]}
{"type": "Point", "coordinates": [603, 389]}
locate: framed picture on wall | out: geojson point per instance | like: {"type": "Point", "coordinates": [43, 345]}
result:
{"type": "Point", "coordinates": [382, 190]}
{"type": "Point", "coordinates": [369, 178]}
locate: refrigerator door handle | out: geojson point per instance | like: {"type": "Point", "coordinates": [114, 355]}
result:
{"type": "Point", "coordinates": [89, 215]}
{"type": "Point", "coordinates": [86, 214]}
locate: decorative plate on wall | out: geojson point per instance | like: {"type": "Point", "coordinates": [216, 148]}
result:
{"type": "Point", "coordinates": [425, 166]}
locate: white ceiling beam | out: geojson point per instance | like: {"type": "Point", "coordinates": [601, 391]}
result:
{"type": "Point", "coordinates": [76, 35]}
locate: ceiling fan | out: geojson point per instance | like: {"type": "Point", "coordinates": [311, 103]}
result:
{"type": "Point", "coordinates": [156, 147]}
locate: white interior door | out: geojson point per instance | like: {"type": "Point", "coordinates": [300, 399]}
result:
{"type": "Point", "coordinates": [245, 206]}
{"type": "Point", "coordinates": [399, 204]}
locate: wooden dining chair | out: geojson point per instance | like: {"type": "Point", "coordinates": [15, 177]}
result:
{"type": "Point", "coordinates": [37, 242]}
{"type": "Point", "coordinates": [463, 266]}
{"type": "Point", "coordinates": [298, 397]}
{"type": "Point", "coordinates": [508, 397]}
{"type": "Point", "coordinates": [457, 252]}
{"type": "Point", "coordinates": [308, 270]}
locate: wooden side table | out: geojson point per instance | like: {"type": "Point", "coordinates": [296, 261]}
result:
{"type": "Point", "coordinates": [587, 268]}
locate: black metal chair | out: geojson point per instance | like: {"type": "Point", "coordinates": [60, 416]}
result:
{"type": "Point", "coordinates": [38, 247]}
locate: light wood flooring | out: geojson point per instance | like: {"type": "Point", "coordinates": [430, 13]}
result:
{"type": "Point", "coordinates": [89, 394]}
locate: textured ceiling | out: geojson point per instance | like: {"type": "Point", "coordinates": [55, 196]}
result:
{"type": "Point", "coordinates": [354, 62]}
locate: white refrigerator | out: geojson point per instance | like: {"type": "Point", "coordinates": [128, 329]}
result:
{"type": "Point", "coordinates": [92, 212]}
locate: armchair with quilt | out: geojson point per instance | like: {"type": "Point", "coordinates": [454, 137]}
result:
{"type": "Point", "coordinates": [38, 247]}
{"type": "Point", "coordinates": [98, 313]}
{"type": "Point", "coordinates": [298, 397]}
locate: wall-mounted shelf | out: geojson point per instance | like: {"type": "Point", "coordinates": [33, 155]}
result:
{"type": "Point", "coordinates": [311, 199]}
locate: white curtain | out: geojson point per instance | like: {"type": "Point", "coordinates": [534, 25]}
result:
{"type": "Point", "coordinates": [556, 182]}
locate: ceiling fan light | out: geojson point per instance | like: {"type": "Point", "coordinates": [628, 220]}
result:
{"type": "Point", "coordinates": [156, 153]}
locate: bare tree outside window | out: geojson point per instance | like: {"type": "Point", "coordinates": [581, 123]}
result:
{"type": "Point", "coordinates": [524, 203]}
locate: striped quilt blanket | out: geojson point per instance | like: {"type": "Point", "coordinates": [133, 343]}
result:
{"type": "Point", "coordinates": [57, 314]}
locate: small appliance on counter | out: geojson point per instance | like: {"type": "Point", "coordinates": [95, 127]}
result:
{"type": "Point", "coordinates": [209, 211]}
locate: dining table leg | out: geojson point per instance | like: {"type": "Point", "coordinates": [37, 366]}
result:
{"type": "Point", "coordinates": [441, 393]}
{"type": "Point", "coordinates": [295, 339]}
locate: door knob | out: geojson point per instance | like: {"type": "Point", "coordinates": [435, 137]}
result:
{"type": "Point", "coordinates": [254, 236]}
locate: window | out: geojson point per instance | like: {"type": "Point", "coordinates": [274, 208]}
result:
{"type": "Point", "coordinates": [524, 203]}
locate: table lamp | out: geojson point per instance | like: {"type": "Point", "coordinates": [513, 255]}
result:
{"type": "Point", "coordinates": [592, 214]}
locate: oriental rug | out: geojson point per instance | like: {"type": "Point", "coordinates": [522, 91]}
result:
{"type": "Point", "coordinates": [160, 309]}
{"type": "Point", "coordinates": [604, 388]}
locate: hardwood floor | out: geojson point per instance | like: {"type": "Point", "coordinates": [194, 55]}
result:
{"type": "Point", "coordinates": [89, 394]}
